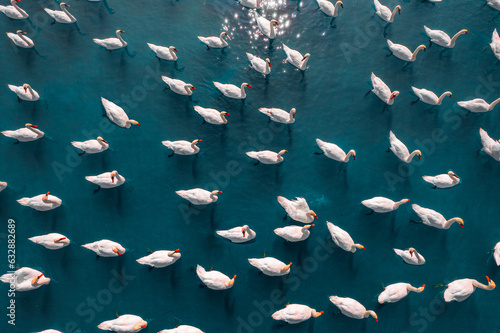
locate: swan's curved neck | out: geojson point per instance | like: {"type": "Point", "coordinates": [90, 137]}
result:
{"type": "Point", "coordinates": [220, 36]}
{"type": "Point", "coordinates": [393, 14]}
{"type": "Point", "coordinates": [303, 66]}
{"type": "Point", "coordinates": [336, 8]}
{"type": "Point", "coordinates": [213, 197]}
{"type": "Point", "coordinates": [194, 146]}
{"type": "Point", "coordinates": [417, 255]}
{"type": "Point", "coordinates": [171, 53]}
{"type": "Point", "coordinates": [119, 36]}
{"type": "Point", "coordinates": [477, 284]}
{"type": "Point", "coordinates": [450, 222]}
{"type": "Point", "coordinates": [37, 131]}
{"type": "Point", "coordinates": [47, 200]}
{"type": "Point", "coordinates": [188, 89]}
{"type": "Point", "coordinates": [271, 28]}
{"type": "Point", "coordinates": [224, 120]}
{"type": "Point", "coordinates": [454, 38]}
{"type": "Point", "coordinates": [409, 287]}
{"type": "Point", "coordinates": [492, 105]}
{"type": "Point", "coordinates": [399, 203]}
{"type": "Point", "coordinates": [440, 99]}
{"type": "Point", "coordinates": [14, 4]}
{"type": "Point", "coordinates": [102, 143]}
{"type": "Point", "coordinates": [24, 38]}
{"type": "Point", "coordinates": [354, 247]}
{"type": "Point", "coordinates": [346, 158]}
{"type": "Point", "coordinates": [411, 156]}
{"type": "Point", "coordinates": [292, 115]}
{"type": "Point", "coordinates": [370, 313]}
{"type": "Point", "coordinates": [414, 54]}
{"type": "Point", "coordinates": [242, 89]}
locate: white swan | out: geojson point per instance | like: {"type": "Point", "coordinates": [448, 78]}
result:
{"type": "Point", "coordinates": [160, 259]}
{"type": "Point", "coordinates": [266, 26]}
{"type": "Point", "coordinates": [214, 279]}
{"type": "Point", "coordinates": [182, 147]}
{"type": "Point", "coordinates": [91, 146]}
{"type": "Point", "coordinates": [445, 180]}
{"type": "Point", "coordinates": [232, 91]}
{"type": "Point", "coordinates": [297, 209]}
{"type": "Point", "coordinates": [215, 42]}
{"type": "Point", "coordinates": [267, 156]}
{"type": "Point", "coordinates": [352, 308]}
{"type": "Point", "coordinates": [295, 58]}
{"type": "Point", "coordinates": [435, 219]}
{"type": "Point", "coordinates": [279, 115]}
{"type": "Point", "coordinates": [26, 134]}
{"type": "Point", "coordinates": [428, 97]}
{"type": "Point", "coordinates": [397, 291]}
{"type": "Point", "coordinates": [182, 329]}
{"type": "Point", "coordinates": [117, 115]}
{"type": "Point", "coordinates": [61, 16]}
{"type": "Point", "coordinates": [260, 65]}
{"type": "Point", "coordinates": [13, 11]}
{"type": "Point", "coordinates": [334, 152]}
{"type": "Point", "coordinates": [50, 331]}
{"type": "Point", "coordinates": [52, 241]}
{"type": "Point", "coordinates": [105, 248]}
{"type": "Point", "coordinates": [112, 43]}
{"type": "Point", "coordinates": [212, 116]}
{"type": "Point", "coordinates": [198, 196]}
{"type": "Point", "coordinates": [399, 149]}
{"type": "Point", "coordinates": [107, 179]}
{"type": "Point", "coordinates": [20, 39]}
{"type": "Point", "coordinates": [342, 238]}
{"type": "Point", "coordinates": [382, 90]}
{"type": "Point", "coordinates": [294, 233]}
{"type": "Point", "coordinates": [495, 4]}
{"type": "Point", "coordinates": [296, 313]}
{"type": "Point", "coordinates": [490, 146]}
{"type": "Point", "coordinates": [383, 205]}
{"type": "Point", "coordinates": [410, 256]}
{"type": "Point", "coordinates": [25, 92]}
{"type": "Point", "coordinates": [3, 186]}
{"type": "Point", "coordinates": [42, 202]}
{"type": "Point", "coordinates": [478, 105]}
{"type": "Point", "coordinates": [460, 290]}
{"type": "Point", "coordinates": [496, 253]}
{"type": "Point", "coordinates": [25, 279]}
{"type": "Point", "coordinates": [404, 53]}
{"type": "Point", "coordinates": [165, 53]}
{"type": "Point", "coordinates": [270, 266]}
{"type": "Point", "coordinates": [124, 324]}
{"type": "Point", "coordinates": [384, 12]}
{"type": "Point", "coordinates": [252, 4]}
{"type": "Point", "coordinates": [329, 8]}
{"type": "Point", "coordinates": [178, 86]}
{"type": "Point", "coordinates": [238, 234]}
{"type": "Point", "coordinates": [441, 38]}
{"type": "Point", "coordinates": [495, 43]}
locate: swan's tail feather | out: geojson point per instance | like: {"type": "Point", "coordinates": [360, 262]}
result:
{"type": "Point", "coordinates": [12, 87]}
{"type": "Point", "coordinates": [24, 201]}
{"type": "Point", "coordinates": [6, 277]}
{"type": "Point", "coordinates": [200, 271]}
{"type": "Point", "coordinates": [77, 144]}
{"type": "Point", "coordinates": [167, 144]}
{"type": "Point", "coordinates": [252, 154]}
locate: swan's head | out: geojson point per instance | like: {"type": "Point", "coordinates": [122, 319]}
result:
{"type": "Point", "coordinates": [268, 62]}
{"type": "Point", "coordinates": [224, 34]}
{"type": "Point", "coordinates": [224, 113]}
{"type": "Point", "coordinates": [274, 22]}
{"type": "Point", "coordinates": [172, 48]}
{"type": "Point", "coordinates": [419, 154]}
{"type": "Point", "coordinates": [460, 221]}
{"type": "Point", "coordinates": [491, 284]}
{"type": "Point", "coordinates": [340, 3]}
{"type": "Point", "coordinates": [411, 250]}
{"type": "Point", "coordinates": [142, 324]}
{"type": "Point", "coordinates": [244, 229]}
{"type": "Point", "coordinates": [286, 267]}
{"type": "Point", "coordinates": [316, 314]}
{"type": "Point", "coordinates": [63, 4]}
{"type": "Point", "coordinates": [420, 289]}
{"type": "Point", "coordinates": [45, 196]}
{"type": "Point", "coordinates": [308, 226]}
{"type": "Point", "coordinates": [399, 9]}
{"type": "Point", "coordinates": [20, 32]}
{"type": "Point", "coordinates": [100, 139]}
{"type": "Point", "coordinates": [63, 240]}
{"type": "Point", "coordinates": [120, 32]}
{"type": "Point", "coordinates": [173, 253]}
{"type": "Point", "coordinates": [312, 213]}
{"type": "Point", "coordinates": [189, 86]}
{"type": "Point", "coordinates": [281, 153]}
{"type": "Point", "coordinates": [464, 31]}
{"type": "Point", "coordinates": [423, 47]}
{"type": "Point", "coordinates": [196, 141]}
{"type": "Point", "coordinates": [40, 280]}
{"type": "Point", "coordinates": [119, 250]}
{"type": "Point", "coordinates": [353, 152]}
{"type": "Point", "coordinates": [134, 122]}
{"type": "Point", "coordinates": [113, 175]}
{"type": "Point", "coordinates": [394, 94]}
{"type": "Point", "coordinates": [28, 125]}
{"type": "Point", "coordinates": [452, 174]}
{"type": "Point", "coordinates": [292, 111]}
{"type": "Point", "coordinates": [307, 55]}
{"type": "Point", "coordinates": [246, 85]}
{"type": "Point", "coordinates": [216, 192]}
{"type": "Point", "coordinates": [359, 246]}
{"type": "Point", "coordinates": [26, 86]}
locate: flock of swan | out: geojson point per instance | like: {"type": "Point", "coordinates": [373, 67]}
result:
{"type": "Point", "coordinates": [297, 209]}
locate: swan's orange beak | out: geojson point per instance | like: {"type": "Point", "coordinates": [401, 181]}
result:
{"type": "Point", "coordinates": [399, 11]}
{"type": "Point", "coordinates": [175, 251]}
{"type": "Point", "coordinates": [354, 158]}
{"type": "Point", "coordinates": [193, 88]}
{"type": "Point", "coordinates": [316, 217]}
{"type": "Point", "coordinates": [276, 23]}
{"type": "Point", "coordinates": [269, 64]}
{"type": "Point", "coordinates": [104, 141]}
{"type": "Point", "coordinates": [488, 279]}
{"type": "Point", "coordinates": [122, 31]}
{"type": "Point", "coordinates": [66, 5]}
{"type": "Point", "coordinates": [112, 179]}
{"type": "Point", "coordinates": [220, 191]}
{"type": "Point", "coordinates": [392, 97]}
{"type": "Point", "coordinates": [25, 89]}
{"type": "Point", "coordinates": [115, 250]}
{"type": "Point", "coordinates": [34, 126]}
{"type": "Point", "coordinates": [227, 114]}
{"type": "Point", "coordinates": [199, 140]}
{"type": "Point", "coordinates": [47, 194]}
{"type": "Point", "coordinates": [176, 50]}
{"type": "Point", "coordinates": [243, 231]}
{"type": "Point", "coordinates": [411, 254]}
{"type": "Point", "coordinates": [249, 86]}
{"type": "Point", "coordinates": [461, 226]}
{"type": "Point", "coordinates": [419, 157]}
{"type": "Point", "coordinates": [313, 225]}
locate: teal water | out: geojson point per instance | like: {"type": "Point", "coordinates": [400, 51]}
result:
{"type": "Point", "coordinates": [71, 73]}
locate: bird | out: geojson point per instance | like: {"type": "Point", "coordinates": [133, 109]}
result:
{"type": "Point", "coordinates": [297, 209]}
{"type": "Point", "coordinates": [399, 149]}
{"type": "Point", "coordinates": [279, 115]}
{"type": "Point", "coordinates": [52, 241]}
{"type": "Point", "coordinates": [117, 115]}
{"type": "Point", "coordinates": [215, 42]}
{"type": "Point", "coordinates": [260, 65]}
{"type": "Point", "coordinates": [441, 38]}
{"type": "Point", "coordinates": [294, 233]}
{"type": "Point", "coordinates": [434, 219]}
{"type": "Point", "coordinates": [410, 256]}
{"type": "Point", "coordinates": [267, 156]}
{"type": "Point", "coordinates": [41, 202]}
{"type": "Point", "coordinates": [252, 4]}
{"type": "Point", "coordinates": [266, 26]}
{"type": "Point", "coordinates": [295, 58]}
{"type": "Point", "coordinates": [165, 53]}
{"type": "Point", "coordinates": [25, 279]}
{"type": "Point", "coordinates": [490, 146]}
{"type": "Point", "coordinates": [198, 196]}
{"type": "Point", "coordinates": [383, 205]}
{"type": "Point", "coordinates": [105, 248]}
{"type": "Point", "coordinates": [342, 238]}
{"type": "Point", "coordinates": [495, 4]}
{"type": "Point", "coordinates": [232, 91]}
{"type": "Point", "coordinates": [352, 308]}
{"type": "Point", "coordinates": [160, 259]}
{"type": "Point", "coordinates": [495, 42]}
{"type": "Point", "coordinates": [404, 53]}
{"type": "Point", "coordinates": [382, 91]}
{"type": "Point", "coordinates": [3, 186]}
{"type": "Point", "coordinates": [124, 324]}
{"type": "Point", "coordinates": [460, 290]}
{"type": "Point", "coordinates": [111, 44]}
{"type": "Point", "coordinates": [445, 180]}
{"type": "Point", "coordinates": [212, 116]}
{"type": "Point", "coordinates": [296, 313]}
{"type": "Point", "coordinates": [91, 146]}
{"type": "Point", "coordinates": [214, 280]}
{"type": "Point", "coordinates": [61, 16]}
{"type": "Point", "coordinates": [182, 329]}
{"type": "Point", "coordinates": [334, 152]}
{"type": "Point", "coordinates": [428, 97]}
{"type": "Point", "coordinates": [178, 86]}
{"type": "Point", "coordinates": [241, 234]}
{"type": "Point", "coordinates": [182, 147]}
{"type": "Point", "coordinates": [107, 179]}
{"type": "Point", "coordinates": [329, 8]}
{"type": "Point", "coordinates": [385, 13]}
{"type": "Point", "coordinates": [397, 291]}
{"type": "Point", "coordinates": [270, 266]}
{"type": "Point", "coordinates": [28, 133]}
{"type": "Point", "coordinates": [496, 253]}
{"type": "Point", "coordinates": [13, 11]}
{"type": "Point", "coordinates": [478, 105]}
{"type": "Point", "coordinates": [50, 331]}
{"type": "Point", "coordinates": [20, 40]}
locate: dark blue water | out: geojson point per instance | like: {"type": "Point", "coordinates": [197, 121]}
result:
{"type": "Point", "coordinates": [71, 73]}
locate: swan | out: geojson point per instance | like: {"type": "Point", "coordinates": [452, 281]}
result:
{"type": "Point", "coordinates": [165, 53]}
{"type": "Point", "coordinates": [342, 238]}
{"type": "Point", "coordinates": [270, 266]}
{"type": "Point", "coordinates": [428, 97]}
{"type": "Point", "coordinates": [61, 16]}
{"type": "Point", "coordinates": [296, 313]}
{"type": "Point", "coordinates": [117, 115]}
{"type": "Point", "coordinates": [107, 179]}
{"type": "Point", "coordinates": [3, 186]}
{"type": "Point", "coordinates": [295, 58]}
{"type": "Point", "coordinates": [212, 116]}
{"type": "Point", "coordinates": [182, 147]}
{"type": "Point", "coordinates": [124, 324]}
{"type": "Point", "coordinates": [490, 146]}
{"type": "Point", "coordinates": [495, 43]}
{"type": "Point", "coordinates": [91, 146]}
{"type": "Point", "coordinates": [105, 248]}
{"type": "Point", "coordinates": [160, 259]}
{"type": "Point", "coordinates": [42, 202]}
{"type": "Point", "coordinates": [214, 279]}
{"type": "Point", "coordinates": [329, 8]}
{"type": "Point", "coordinates": [260, 65]}
{"type": "Point", "coordinates": [178, 86]}
{"type": "Point", "coordinates": [460, 290]}
{"type": "Point", "coordinates": [20, 39]}
{"type": "Point", "coordinates": [334, 152]}
{"type": "Point", "coordinates": [252, 4]}
{"type": "Point", "coordinates": [441, 38]}
{"type": "Point", "coordinates": [434, 219]}
{"type": "Point", "coordinates": [404, 53]}
{"type": "Point", "coordinates": [294, 233]}
{"type": "Point", "coordinates": [267, 156]}
{"type": "Point", "coordinates": [52, 241]}
{"type": "Point", "coordinates": [266, 26]}
{"type": "Point", "coordinates": [382, 90]}
{"type": "Point", "coordinates": [297, 209]}
{"type": "Point", "coordinates": [13, 11]}
{"type": "Point", "coordinates": [50, 331]}
{"type": "Point", "coordinates": [397, 291]}
{"type": "Point", "coordinates": [478, 105]}
{"type": "Point", "coordinates": [232, 91]}
{"type": "Point", "coordinates": [238, 234]}
{"type": "Point", "coordinates": [215, 42]}
{"type": "Point", "coordinates": [385, 13]}
{"type": "Point", "coordinates": [25, 279]}
{"type": "Point", "coordinates": [352, 308]}
{"type": "Point", "coordinates": [279, 115]}
{"type": "Point", "coordinates": [496, 253]}
{"type": "Point", "coordinates": [399, 149]}
{"type": "Point", "coordinates": [112, 43]}
{"type": "Point", "coordinates": [26, 134]}
{"type": "Point", "coordinates": [383, 205]}
{"type": "Point", "coordinates": [198, 196]}
{"type": "Point", "coordinates": [410, 256]}
{"type": "Point", "coordinates": [182, 329]}
{"type": "Point", "coordinates": [445, 180]}
{"type": "Point", "coordinates": [25, 92]}
{"type": "Point", "coordinates": [495, 4]}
